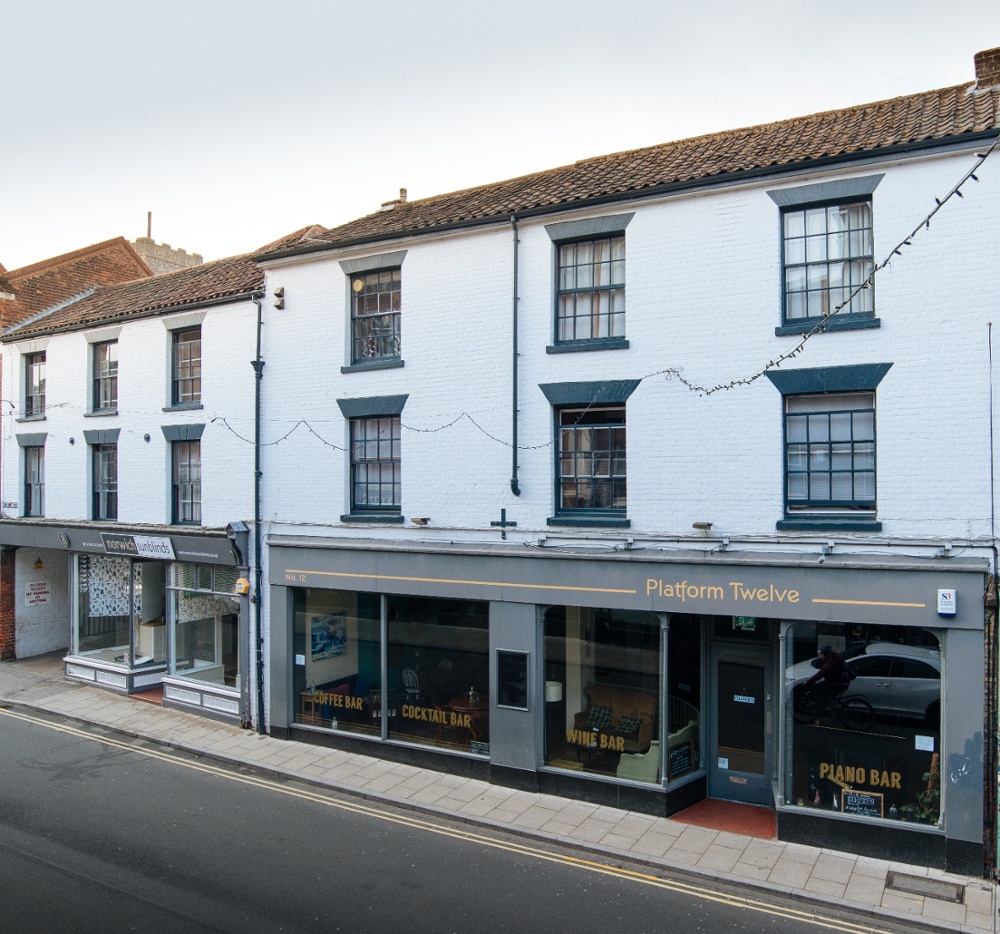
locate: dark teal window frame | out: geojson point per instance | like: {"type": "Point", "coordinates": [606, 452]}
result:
{"type": "Point", "coordinates": [586, 397]}
{"type": "Point", "coordinates": [823, 194]}
{"type": "Point", "coordinates": [358, 269]}
{"type": "Point", "coordinates": [34, 480]}
{"type": "Point", "coordinates": [827, 381]}
{"type": "Point", "coordinates": [105, 377]}
{"type": "Point", "coordinates": [185, 481]}
{"type": "Point", "coordinates": [34, 385]}
{"type": "Point", "coordinates": [104, 482]}
{"type": "Point", "coordinates": [379, 330]}
{"type": "Point", "coordinates": [185, 367]}
{"type": "Point", "coordinates": [358, 411]}
{"type": "Point", "coordinates": [588, 230]}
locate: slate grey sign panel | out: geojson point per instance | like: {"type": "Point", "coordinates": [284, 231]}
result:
{"type": "Point", "coordinates": [895, 597]}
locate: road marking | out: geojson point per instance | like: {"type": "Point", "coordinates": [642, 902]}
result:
{"type": "Point", "coordinates": [468, 836]}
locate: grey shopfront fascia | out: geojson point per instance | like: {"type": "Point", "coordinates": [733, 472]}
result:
{"type": "Point", "coordinates": [210, 547]}
{"type": "Point", "coordinates": [841, 590]}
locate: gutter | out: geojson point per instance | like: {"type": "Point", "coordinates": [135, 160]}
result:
{"type": "Point", "coordinates": [655, 191]}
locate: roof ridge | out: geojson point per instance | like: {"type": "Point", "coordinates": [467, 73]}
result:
{"type": "Point", "coordinates": [54, 261]}
{"type": "Point", "coordinates": [755, 129]}
{"type": "Point", "coordinates": [758, 129]}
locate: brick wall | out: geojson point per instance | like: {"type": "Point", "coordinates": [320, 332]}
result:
{"type": "Point", "coordinates": [8, 585]}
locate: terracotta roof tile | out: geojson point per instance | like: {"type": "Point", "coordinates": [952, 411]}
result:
{"type": "Point", "coordinates": [937, 115]}
{"type": "Point", "coordinates": [207, 282]}
{"type": "Point", "coordinates": [53, 281]}
{"type": "Point", "coordinates": [224, 278]}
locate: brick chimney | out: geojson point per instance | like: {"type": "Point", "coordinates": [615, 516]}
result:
{"type": "Point", "coordinates": [987, 68]}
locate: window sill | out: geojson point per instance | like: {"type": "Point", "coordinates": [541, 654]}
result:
{"type": "Point", "coordinates": [100, 413]}
{"type": "Point", "coordinates": [597, 343]}
{"type": "Point", "coordinates": [836, 323]}
{"type": "Point", "coordinates": [816, 523]}
{"type": "Point", "coordinates": [183, 407]}
{"type": "Point", "coordinates": [591, 520]}
{"type": "Point", "coordinates": [186, 525]}
{"type": "Point", "coordinates": [383, 363]}
{"type": "Point", "coordinates": [382, 518]}
{"type": "Point", "coordinates": [31, 418]}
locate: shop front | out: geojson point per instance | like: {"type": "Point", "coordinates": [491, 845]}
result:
{"type": "Point", "coordinates": [650, 681]}
{"type": "Point", "coordinates": [145, 608]}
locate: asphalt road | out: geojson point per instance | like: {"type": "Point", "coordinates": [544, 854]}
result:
{"type": "Point", "coordinates": [101, 834]}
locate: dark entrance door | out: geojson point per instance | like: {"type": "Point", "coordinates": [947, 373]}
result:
{"type": "Point", "coordinates": [741, 759]}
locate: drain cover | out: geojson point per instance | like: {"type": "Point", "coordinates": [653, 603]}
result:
{"type": "Point", "coordinates": [921, 885]}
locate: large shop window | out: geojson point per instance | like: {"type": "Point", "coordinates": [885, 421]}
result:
{"type": "Point", "coordinates": [870, 750]}
{"type": "Point", "coordinates": [121, 611]}
{"type": "Point", "coordinates": [205, 623]}
{"type": "Point", "coordinates": [436, 656]}
{"type": "Point", "coordinates": [603, 674]}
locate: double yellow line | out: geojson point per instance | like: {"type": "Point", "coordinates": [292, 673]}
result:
{"type": "Point", "coordinates": [428, 826]}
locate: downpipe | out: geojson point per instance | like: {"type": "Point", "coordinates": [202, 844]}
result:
{"type": "Point", "coordinates": [258, 368]}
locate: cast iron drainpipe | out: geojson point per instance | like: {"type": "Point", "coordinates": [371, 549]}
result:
{"type": "Point", "coordinates": [514, 487]}
{"type": "Point", "coordinates": [258, 368]}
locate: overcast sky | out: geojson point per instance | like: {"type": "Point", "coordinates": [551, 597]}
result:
{"type": "Point", "coordinates": [238, 121]}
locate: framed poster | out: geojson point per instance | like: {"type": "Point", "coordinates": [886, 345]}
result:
{"type": "Point", "coordinates": [328, 635]}
{"type": "Point", "coordinates": [512, 679]}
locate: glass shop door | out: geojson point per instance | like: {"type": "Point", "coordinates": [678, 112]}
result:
{"type": "Point", "coordinates": [743, 739]}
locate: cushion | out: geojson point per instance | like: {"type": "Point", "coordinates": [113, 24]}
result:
{"type": "Point", "coordinates": [600, 718]}
{"type": "Point", "coordinates": [628, 726]}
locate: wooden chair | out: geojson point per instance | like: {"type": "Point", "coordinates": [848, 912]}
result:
{"type": "Point", "coordinates": [412, 684]}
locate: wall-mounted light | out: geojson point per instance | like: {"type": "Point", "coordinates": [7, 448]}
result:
{"type": "Point", "coordinates": [72, 440]}
{"type": "Point", "coordinates": [279, 297]}
{"type": "Point", "coordinates": [703, 526]}
{"type": "Point", "coordinates": [145, 438]}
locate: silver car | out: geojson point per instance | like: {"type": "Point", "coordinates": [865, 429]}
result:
{"type": "Point", "coordinates": [897, 680]}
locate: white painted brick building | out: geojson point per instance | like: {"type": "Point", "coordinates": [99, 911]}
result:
{"type": "Point", "coordinates": [128, 479]}
{"type": "Point", "coordinates": [596, 561]}
{"type": "Point", "coordinates": [565, 480]}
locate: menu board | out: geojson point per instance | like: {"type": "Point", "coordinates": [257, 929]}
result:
{"type": "Point", "coordinates": [680, 759]}
{"type": "Point", "coordinates": [865, 803]}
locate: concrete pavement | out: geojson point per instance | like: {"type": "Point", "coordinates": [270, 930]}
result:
{"type": "Point", "coordinates": [815, 876]}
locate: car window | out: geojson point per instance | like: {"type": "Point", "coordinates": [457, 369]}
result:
{"type": "Point", "coordinates": [911, 668]}
{"type": "Point", "coordinates": [870, 666]}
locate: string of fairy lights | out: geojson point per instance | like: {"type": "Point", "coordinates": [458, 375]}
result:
{"type": "Point", "coordinates": [675, 373]}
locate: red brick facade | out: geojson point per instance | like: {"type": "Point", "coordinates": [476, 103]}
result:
{"type": "Point", "coordinates": [8, 587]}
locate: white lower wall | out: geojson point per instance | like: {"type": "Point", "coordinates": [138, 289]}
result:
{"type": "Point", "coordinates": [42, 602]}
